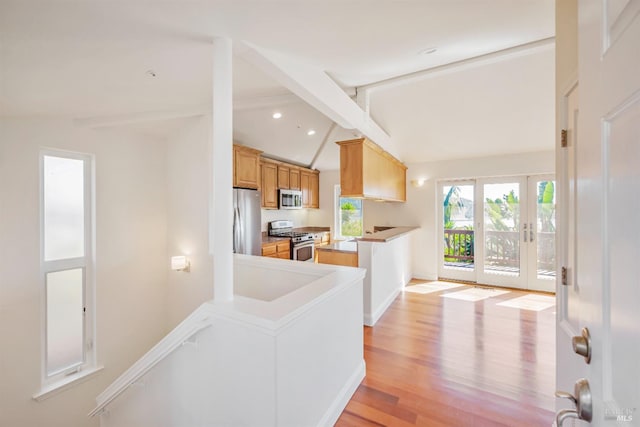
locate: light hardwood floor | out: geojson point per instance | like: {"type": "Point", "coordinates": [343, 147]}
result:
{"type": "Point", "coordinates": [436, 361]}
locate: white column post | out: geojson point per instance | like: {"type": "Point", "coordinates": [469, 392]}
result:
{"type": "Point", "coordinates": [221, 215]}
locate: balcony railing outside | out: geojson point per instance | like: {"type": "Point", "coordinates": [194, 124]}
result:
{"type": "Point", "coordinates": [501, 250]}
{"type": "Point", "coordinates": [458, 246]}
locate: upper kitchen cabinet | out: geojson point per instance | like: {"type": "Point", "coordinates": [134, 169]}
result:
{"type": "Point", "coordinates": [369, 172]}
{"type": "Point", "coordinates": [284, 172]}
{"type": "Point", "coordinates": [294, 178]}
{"type": "Point", "coordinates": [310, 186]}
{"type": "Point", "coordinates": [315, 189]}
{"type": "Point", "coordinates": [269, 174]}
{"type": "Point", "coordinates": [246, 167]}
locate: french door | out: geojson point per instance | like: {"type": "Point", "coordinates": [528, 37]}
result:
{"type": "Point", "coordinates": [499, 231]}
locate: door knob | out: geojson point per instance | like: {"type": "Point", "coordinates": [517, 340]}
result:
{"type": "Point", "coordinates": [582, 400]}
{"type": "Point", "coordinates": [582, 345]}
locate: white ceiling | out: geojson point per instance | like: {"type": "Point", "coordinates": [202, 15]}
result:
{"type": "Point", "coordinates": [90, 59]}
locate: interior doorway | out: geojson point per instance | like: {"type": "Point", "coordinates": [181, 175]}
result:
{"type": "Point", "coordinates": [499, 231]}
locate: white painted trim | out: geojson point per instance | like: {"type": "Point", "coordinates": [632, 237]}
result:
{"type": "Point", "coordinates": [316, 88]}
{"type": "Point", "coordinates": [342, 399]}
{"type": "Point", "coordinates": [371, 319]}
{"type": "Point", "coordinates": [197, 321]}
{"type": "Point", "coordinates": [141, 117]}
{"type": "Point", "coordinates": [69, 382]}
{"type": "Point", "coordinates": [85, 263]}
{"type": "Point", "coordinates": [221, 188]}
{"type": "Point", "coordinates": [488, 58]}
{"type": "Point", "coordinates": [425, 276]}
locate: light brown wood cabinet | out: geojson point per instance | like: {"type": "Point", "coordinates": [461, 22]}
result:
{"type": "Point", "coordinates": [350, 259]}
{"type": "Point", "coordinates": [305, 186]}
{"type": "Point", "coordinates": [310, 187]}
{"type": "Point", "coordinates": [246, 167]}
{"type": "Point", "coordinates": [269, 187]}
{"type": "Point", "coordinates": [314, 189]}
{"type": "Point", "coordinates": [294, 178]}
{"type": "Point", "coordinates": [369, 172]}
{"type": "Point", "coordinates": [279, 249]}
{"type": "Point", "coordinates": [284, 173]}
{"type": "Point", "coordinates": [251, 170]}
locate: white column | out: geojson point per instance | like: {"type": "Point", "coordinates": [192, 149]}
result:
{"type": "Point", "coordinates": [222, 187]}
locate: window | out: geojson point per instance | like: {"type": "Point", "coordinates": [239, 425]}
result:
{"type": "Point", "coordinates": [348, 216]}
{"type": "Point", "coordinates": [66, 259]}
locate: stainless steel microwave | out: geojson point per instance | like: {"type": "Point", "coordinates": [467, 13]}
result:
{"type": "Point", "coordinates": [289, 199]}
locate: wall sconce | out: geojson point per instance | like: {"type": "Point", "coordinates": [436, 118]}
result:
{"type": "Point", "coordinates": [418, 182]}
{"type": "Point", "coordinates": [180, 263]}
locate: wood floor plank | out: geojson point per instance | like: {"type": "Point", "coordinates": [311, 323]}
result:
{"type": "Point", "coordinates": [434, 361]}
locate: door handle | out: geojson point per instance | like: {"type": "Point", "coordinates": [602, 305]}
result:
{"type": "Point", "coordinates": [236, 230]}
{"type": "Point", "coordinates": [531, 232]}
{"type": "Point", "coordinates": [582, 345]}
{"type": "Point", "coordinates": [581, 399]}
{"type": "Point", "coordinates": [524, 233]}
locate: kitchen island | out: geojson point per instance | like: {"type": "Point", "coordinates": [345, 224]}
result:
{"type": "Point", "coordinates": [386, 255]}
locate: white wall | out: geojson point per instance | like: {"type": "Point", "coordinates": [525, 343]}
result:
{"type": "Point", "coordinates": [421, 205]}
{"type": "Point", "coordinates": [130, 269]}
{"type": "Point", "coordinates": [188, 178]}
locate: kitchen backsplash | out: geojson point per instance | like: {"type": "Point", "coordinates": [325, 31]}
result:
{"type": "Point", "coordinates": [300, 217]}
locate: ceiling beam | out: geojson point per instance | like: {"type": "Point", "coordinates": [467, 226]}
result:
{"type": "Point", "coordinates": [142, 117]}
{"type": "Point", "coordinates": [476, 61]}
{"type": "Point", "coordinates": [316, 88]}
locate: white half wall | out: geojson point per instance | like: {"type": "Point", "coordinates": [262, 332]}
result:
{"type": "Point", "coordinates": [388, 272]}
{"type": "Point", "coordinates": [422, 203]}
{"type": "Point", "coordinates": [131, 262]}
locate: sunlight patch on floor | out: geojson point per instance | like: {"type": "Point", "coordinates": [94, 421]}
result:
{"type": "Point", "coordinates": [530, 302]}
{"type": "Point", "coordinates": [475, 294]}
{"type": "Point", "coordinates": [427, 288]}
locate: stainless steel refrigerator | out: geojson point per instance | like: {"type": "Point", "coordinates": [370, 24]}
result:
{"type": "Point", "coordinates": [247, 232]}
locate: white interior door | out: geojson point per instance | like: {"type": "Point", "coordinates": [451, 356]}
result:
{"type": "Point", "coordinates": [605, 293]}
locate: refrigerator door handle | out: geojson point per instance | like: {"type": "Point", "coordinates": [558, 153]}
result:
{"type": "Point", "coordinates": [236, 230]}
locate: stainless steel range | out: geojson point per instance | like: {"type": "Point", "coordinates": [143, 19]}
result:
{"type": "Point", "coordinates": [302, 246]}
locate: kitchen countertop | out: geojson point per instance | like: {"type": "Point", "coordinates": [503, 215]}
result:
{"type": "Point", "coordinates": [271, 239]}
{"type": "Point", "coordinates": [312, 229]}
{"type": "Point", "coordinates": [348, 246]}
{"type": "Point", "coordinates": [386, 235]}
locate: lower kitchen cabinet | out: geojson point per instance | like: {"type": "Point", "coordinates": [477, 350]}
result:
{"type": "Point", "coordinates": [349, 259]}
{"type": "Point", "coordinates": [278, 249]}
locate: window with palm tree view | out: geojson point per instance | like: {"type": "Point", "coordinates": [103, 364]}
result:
{"type": "Point", "coordinates": [349, 216]}
{"type": "Point", "coordinates": [458, 225]}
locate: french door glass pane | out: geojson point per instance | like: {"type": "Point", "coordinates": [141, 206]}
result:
{"type": "Point", "coordinates": [63, 208]}
{"type": "Point", "coordinates": [546, 230]}
{"type": "Point", "coordinates": [501, 228]}
{"type": "Point", "coordinates": [459, 236]}
{"type": "Point", "coordinates": [64, 320]}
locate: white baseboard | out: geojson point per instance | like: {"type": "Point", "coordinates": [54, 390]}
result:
{"type": "Point", "coordinates": [335, 409]}
{"type": "Point", "coordinates": [370, 319]}
{"type": "Point", "coordinates": [425, 276]}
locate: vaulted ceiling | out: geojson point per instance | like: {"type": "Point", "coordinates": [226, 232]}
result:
{"type": "Point", "coordinates": [92, 60]}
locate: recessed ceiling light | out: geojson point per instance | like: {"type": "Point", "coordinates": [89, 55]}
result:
{"type": "Point", "coordinates": [428, 51]}
{"type": "Point", "coordinates": [277, 115]}
{"type": "Point", "coordinates": [151, 73]}
{"type": "Point", "coordinates": [311, 132]}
